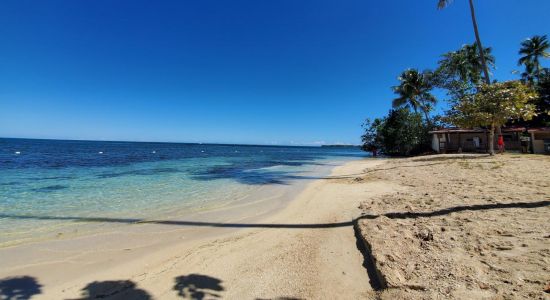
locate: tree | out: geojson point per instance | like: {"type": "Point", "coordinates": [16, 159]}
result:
{"type": "Point", "coordinates": [401, 132]}
{"type": "Point", "coordinates": [528, 76]}
{"type": "Point", "coordinates": [459, 71]}
{"type": "Point", "coordinates": [414, 91]}
{"type": "Point", "coordinates": [542, 104]}
{"type": "Point", "coordinates": [493, 106]}
{"type": "Point", "coordinates": [465, 64]}
{"type": "Point", "coordinates": [531, 51]}
{"type": "Point", "coordinates": [444, 3]}
{"type": "Point", "coordinates": [371, 139]}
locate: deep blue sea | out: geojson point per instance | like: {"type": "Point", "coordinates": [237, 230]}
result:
{"type": "Point", "coordinates": [44, 181]}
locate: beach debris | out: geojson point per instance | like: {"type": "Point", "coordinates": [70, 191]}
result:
{"type": "Point", "coordinates": [483, 285]}
{"type": "Point", "coordinates": [547, 288]}
{"type": "Point", "coordinates": [425, 235]}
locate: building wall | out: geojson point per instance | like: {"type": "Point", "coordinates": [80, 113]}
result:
{"type": "Point", "coordinates": [538, 142]}
{"type": "Point", "coordinates": [512, 141]}
{"type": "Point", "coordinates": [435, 142]}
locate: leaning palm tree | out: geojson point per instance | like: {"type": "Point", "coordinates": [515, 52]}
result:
{"type": "Point", "coordinates": [532, 50]}
{"type": "Point", "coordinates": [414, 91]}
{"type": "Point", "coordinates": [444, 3]}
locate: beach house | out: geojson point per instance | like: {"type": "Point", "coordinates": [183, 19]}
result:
{"type": "Point", "coordinates": [527, 140]}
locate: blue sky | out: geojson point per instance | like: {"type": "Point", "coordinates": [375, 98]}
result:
{"type": "Point", "coordinates": [256, 71]}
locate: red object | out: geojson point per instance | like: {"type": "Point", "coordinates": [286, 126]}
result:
{"type": "Point", "coordinates": [500, 141]}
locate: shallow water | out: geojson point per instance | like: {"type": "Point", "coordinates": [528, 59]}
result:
{"type": "Point", "coordinates": [45, 185]}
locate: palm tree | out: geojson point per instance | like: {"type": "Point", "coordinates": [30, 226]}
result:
{"type": "Point", "coordinates": [414, 91]}
{"type": "Point", "coordinates": [532, 50]}
{"type": "Point", "coordinates": [465, 63]}
{"type": "Point", "coordinates": [444, 3]}
{"type": "Point", "coordinates": [528, 76]}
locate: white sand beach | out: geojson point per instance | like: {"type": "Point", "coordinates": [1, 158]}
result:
{"type": "Point", "coordinates": [447, 226]}
{"type": "Point", "coordinates": [298, 254]}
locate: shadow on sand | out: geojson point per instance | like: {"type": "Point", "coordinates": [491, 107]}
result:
{"type": "Point", "coordinates": [19, 288]}
{"type": "Point", "coordinates": [197, 286]}
{"type": "Point", "coordinates": [115, 289]}
{"type": "Point", "coordinates": [391, 215]}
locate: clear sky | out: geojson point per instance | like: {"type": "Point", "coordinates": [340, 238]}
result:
{"type": "Point", "coordinates": [230, 71]}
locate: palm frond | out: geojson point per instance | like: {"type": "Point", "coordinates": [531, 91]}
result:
{"type": "Point", "coordinates": [441, 4]}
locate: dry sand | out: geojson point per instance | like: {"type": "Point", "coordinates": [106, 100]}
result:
{"type": "Point", "coordinates": [462, 227]}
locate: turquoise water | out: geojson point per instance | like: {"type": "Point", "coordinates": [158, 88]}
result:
{"type": "Point", "coordinates": [46, 185]}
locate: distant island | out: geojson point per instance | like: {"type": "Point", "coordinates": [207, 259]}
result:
{"type": "Point", "coordinates": [341, 146]}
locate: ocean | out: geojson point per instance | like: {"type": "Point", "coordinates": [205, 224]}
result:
{"type": "Point", "coordinates": [54, 187]}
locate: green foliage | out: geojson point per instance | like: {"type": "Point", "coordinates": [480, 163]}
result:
{"type": "Point", "coordinates": [493, 105]}
{"type": "Point", "coordinates": [414, 91]}
{"type": "Point", "coordinates": [401, 132]}
{"type": "Point", "coordinates": [465, 64]}
{"type": "Point", "coordinates": [542, 103]}
{"type": "Point", "coordinates": [459, 72]}
{"type": "Point", "coordinates": [371, 139]}
{"type": "Point", "coordinates": [531, 51]}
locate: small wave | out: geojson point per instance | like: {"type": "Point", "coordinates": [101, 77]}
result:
{"type": "Point", "coordinates": [50, 188]}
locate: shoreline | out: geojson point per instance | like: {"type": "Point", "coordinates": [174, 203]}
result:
{"type": "Point", "coordinates": [260, 200]}
{"type": "Point", "coordinates": [149, 245]}
{"type": "Point", "coordinates": [372, 229]}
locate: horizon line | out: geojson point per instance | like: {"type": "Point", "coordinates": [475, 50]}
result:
{"type": "Point", "coordinates": [188, 143]}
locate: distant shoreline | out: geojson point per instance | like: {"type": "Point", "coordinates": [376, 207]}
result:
{"type": "Point", "coordinates": [182, 143]}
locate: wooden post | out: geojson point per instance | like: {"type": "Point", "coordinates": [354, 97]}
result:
{"type": "Point", "coordinates": [486, 141]}
{"type": "Point", "coordinates": [459, 143]}
{"type": "Point", "coordinates": [532, 142]}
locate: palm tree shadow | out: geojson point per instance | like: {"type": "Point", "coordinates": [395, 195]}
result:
{"type": "Point", "coordinates": [115, 289]}
{"type": "Point", "coordinates": [197, 286]}
{"type": "Point", "coordinates": [280, 298]}
{"type": "Point", "coordinates": [19, 288]}
{"type": "Point", "coordinates": [391, 215]}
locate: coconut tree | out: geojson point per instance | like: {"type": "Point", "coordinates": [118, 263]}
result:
{"type": "Point", "coordinates": [413, 91]}
{"type": "Point", "coordinates": [444, 3]}
{"type": "Point", "coordinates": [465, 64]}
{"type": "Point", "coordinates": [528, 76]}
{"type": "Point", "coordinates": [531, 51]}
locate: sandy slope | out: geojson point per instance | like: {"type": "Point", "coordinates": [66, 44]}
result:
{"type": "Point", "coordinates": [308, 250]}
{"type": "Point", "coordinates": [473, 227]}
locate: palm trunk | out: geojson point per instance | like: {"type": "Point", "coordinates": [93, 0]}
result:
{"type": "Point", "coordinates": [428, 122]}
{"type": "Point", "coordinates": [537, 65]}
{"type": "Point", "coordinates": [483, 62]}
{"type": "Point", "coordinates": [479, 45]}
{"type": "Point", "coordinates": [492, 140]}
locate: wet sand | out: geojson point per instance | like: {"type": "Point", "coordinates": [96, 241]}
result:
{"type": "Point", "coordinates": [305, 250]}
